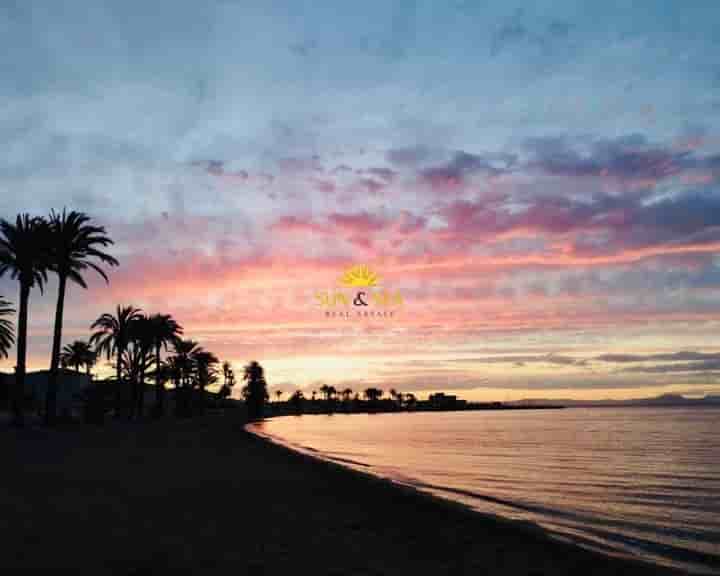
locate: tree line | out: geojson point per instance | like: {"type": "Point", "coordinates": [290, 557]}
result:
{"type": "Point", "coordinates": [68, 244]}
{"type": "Point", "coordinates": [371, 398]}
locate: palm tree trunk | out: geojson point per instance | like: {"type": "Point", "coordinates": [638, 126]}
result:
{"type": "Point", "coordinates": [141, 390]}
{"type": "Point", "coordinates": [18, 394]}
{"type": "Point", "coordinates": [51, 399]}
{"type": "Point", "coordinates": [118, 384]}
{"type": "Point", "coordinates": [159, 386]}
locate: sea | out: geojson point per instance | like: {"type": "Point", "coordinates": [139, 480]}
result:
{"type": "Point", "coordinates": [631, 481]}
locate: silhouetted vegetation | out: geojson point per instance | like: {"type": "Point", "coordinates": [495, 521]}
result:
{"type": "Point", "coordinates": [23, 255]}
{"type": "Point", "coordinates": [163, 331]}
{"type": "Point", "coordinates": [73, 246]}
{"type": "Point", "coordinates": [7, 329]}
{"type": "Point", "coordinates": [255, 390]}
{"type": "Point", "coordinates": [112, 338]}
{"type": "Point", "coordinates": [68, 244]}
{"type": "Point", "coordinates": [78, 354]}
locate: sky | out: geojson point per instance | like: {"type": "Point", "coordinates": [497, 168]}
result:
{"type": "Point", "coordinates": [538, 181]}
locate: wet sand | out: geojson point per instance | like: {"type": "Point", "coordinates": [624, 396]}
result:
{"type": "Point", "coordinates": [206, 497]}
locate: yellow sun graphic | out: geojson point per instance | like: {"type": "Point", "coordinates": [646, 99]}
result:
{"type": "Point", "coordinates": [359, 276]}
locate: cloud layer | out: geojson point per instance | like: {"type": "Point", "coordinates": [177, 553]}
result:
{"type": "Point", "coordinates": [541, 178]}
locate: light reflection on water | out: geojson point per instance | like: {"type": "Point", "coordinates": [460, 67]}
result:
{"type": "Point", "coordinates": [642, 481]}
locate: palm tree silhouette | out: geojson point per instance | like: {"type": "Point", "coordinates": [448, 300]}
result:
{"type": "Point", "coordinates": [255, 391]}
{"type": "Point", "coordinates": [397, 396]}
{"type": "Point", "coordinates": [23, 255]}
{"type": "Point", "coordinates": [78, 354]}
{"type": "Point", "coordinates": [139, 359]}
{"type": "Point", "coordinates": [410, 400]}
{"type": "Point", "coordinates": [205, 364]}
{"type": "Point", "coordinates": [112, 338]}
{"type": "Point", "coordinates": [278, 394]}
{"type": "Point", "coordinates": [73, 246]}
{"type": "Point", "coordinates": [182, 361]}
{"type": "Point", "coordinates": [347, 394]}
{"type": "Point", "coordinates": [163, 330]}
{"type": "Point", "coordinates": [228, 380]}
{"type": "Point", "coordinates": [297, 400]}
{"type": "Point", "coordinates": [7, 330]}
{"type": "Point", "coordinates": [373, 394]}
{"type": "Point", "coordinates": [184, 350]}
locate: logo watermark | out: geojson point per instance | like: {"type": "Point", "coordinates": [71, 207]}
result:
{"type": "Point", "coordinates": [361, 294]}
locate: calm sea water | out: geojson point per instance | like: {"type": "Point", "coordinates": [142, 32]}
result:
{"type": "Point", "coordinates": [633, 481]}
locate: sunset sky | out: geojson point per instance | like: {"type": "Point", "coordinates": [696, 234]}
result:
{"type": "Point", "coordinates": [538, 180]}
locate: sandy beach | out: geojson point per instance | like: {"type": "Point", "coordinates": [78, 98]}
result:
{"type": "Point", "coordinates": [204, 496]}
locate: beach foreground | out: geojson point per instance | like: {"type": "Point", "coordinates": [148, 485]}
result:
{"type": "Point", "coordinates": [204, 496]}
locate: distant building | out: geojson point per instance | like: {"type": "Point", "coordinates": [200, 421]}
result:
{"type": "Point", "coordinates": [70, 384]}
{"type": "Point", "coordinates": [444, 401]}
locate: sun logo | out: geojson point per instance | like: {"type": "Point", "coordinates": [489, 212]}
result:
{"type": "Point", "coordinates": [359, 276]}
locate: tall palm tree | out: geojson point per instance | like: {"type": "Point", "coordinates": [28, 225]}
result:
{"type": "Point", "coordinates": [78, 354]}
{"type": "Point", "coordinates": [112, 337]}
{"type": "Point", "coordinates": [23, 255]}
{"type": "Point", "coordinates": [163, 330]}
{"type": "Point", "coordinates": [7, 330]}
{"type": "Point", "coordinates": [75, 245]}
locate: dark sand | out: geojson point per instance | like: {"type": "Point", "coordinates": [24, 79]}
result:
{"type": "Point", "coordinates": [205, 497]}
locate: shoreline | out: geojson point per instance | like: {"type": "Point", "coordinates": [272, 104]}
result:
{"type": "Point", "coordinates": [526, 527]}
{"type": "Point", "coordinates": [207, 496]}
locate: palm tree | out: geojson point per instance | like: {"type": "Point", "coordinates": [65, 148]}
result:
{"type": "Point", "coordinates": [397, 396]}
{"type": "Point", "coordinates": [184, 351]}
{"type": "Point", "coordinates": [171, 370]}
{"type": "Point", "coordinates": [7, 330]}
{"type": "Point", "coordinates": [255, 389]}
{"type": "Point", "coordinates": [373, 394]}
{"type": "Point", "coordinates": [278, 394]}
{"type": "Point", "coordinates": [23, 255]}
{"type": "Point", "coordinates": [112, 338]}
{"type": "Point", "coordinates": [410, 400]}
{"type": "Point", "coordinates": [228, 380]}
{"type": "Point", "coordinates": [163, 330]}
{"type": "Point", "coordinates": [78, 354]}
{"type": "Point", "coordinates": [142, 357]}
{"type": "Point", "coordinates": [297, 400]}
{"type": "Point", "coordinates": [325, 391]}
{"type": "Point", "coordinates": [206, 372]}
{"type": "Point", "coordinates": [228, 375]}
{"type": "Point", "coordinates": [74, 246]}
{"type": "Point", "coordinates": [347, 394]}
{"type": "Point", "coordinates": [182, 362]}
